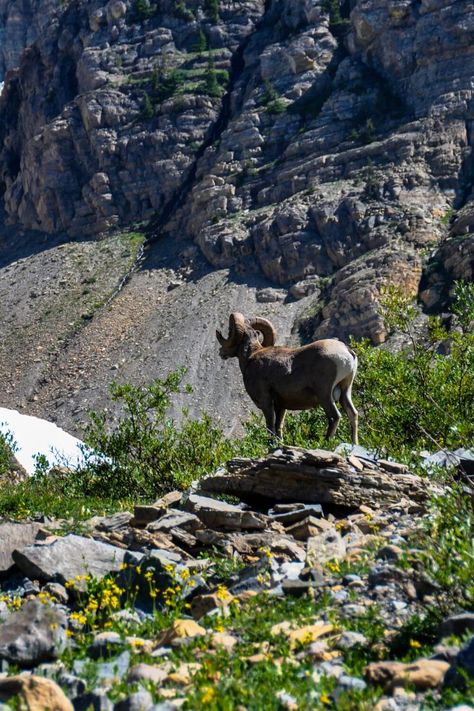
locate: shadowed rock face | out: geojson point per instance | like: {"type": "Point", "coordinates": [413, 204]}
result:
{"type": "Point", "coordinates": [320, 155]}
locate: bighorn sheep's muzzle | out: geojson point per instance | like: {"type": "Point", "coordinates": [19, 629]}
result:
{"type": "Point", "coordinates": [236, 331]}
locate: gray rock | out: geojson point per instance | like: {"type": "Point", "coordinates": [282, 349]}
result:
{"type": "Point", "coordinates": [221, 515]}
{"type": "Point", "coordinates": [105, 644]}
{"type": "Point", "coordinates": [71, 556]}
{"type": "Point", "coordinates": [96, 700]}
{"type": "Point", "coordinates": [293, 473]}
{"type": "Point", "coordinates": [139, 701]}
{"type": "Point", "coordinates": [457, 624]}
{"type": "Point", "coordinates": [12, 536]}
{"type": "Point", "coordinates": [175, 519]}
{"type": "Point", "coordinates": [148, 672]}
{"type": "Point", "coordinates": [463, 666]}
{"type": "Point", "coordinates": [348, 639]}
{"type": "Point", "coordinates": [71, 684]}
{"type": "Point", "coordinates": [351, 682]}
{"type": "Point", "coordinates": [57, 591]}
{"type": "Point", "coordinates": [33, 634]}
{"type": "Point", "coordinates": [107, 672]}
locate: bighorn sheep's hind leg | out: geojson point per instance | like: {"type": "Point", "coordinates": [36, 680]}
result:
{"type": "Point", "coordinates": [333, 415]}
{"type": "Point", "coordinates": [349, 409]}
{"type": "Point", "coordinates": [280, 413]}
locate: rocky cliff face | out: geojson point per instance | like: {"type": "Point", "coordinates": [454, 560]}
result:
{"type": "Point", "coordinates": [318, 150]}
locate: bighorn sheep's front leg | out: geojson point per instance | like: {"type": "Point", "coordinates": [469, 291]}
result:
{"type": "Point", "coordinates": [280, 413]}
{"type": "Point", "coordinates": [269, 413]}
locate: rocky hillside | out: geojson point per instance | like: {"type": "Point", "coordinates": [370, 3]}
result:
{"type": "Point", "coordinates": [290, 159]}
{"type": "Point", "coordinates": [324, 591]}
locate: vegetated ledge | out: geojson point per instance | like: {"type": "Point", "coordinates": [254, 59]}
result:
{"type": "Point", "coordinates": [319, 476]}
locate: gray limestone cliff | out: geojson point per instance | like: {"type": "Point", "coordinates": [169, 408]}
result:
{"type": "Point", "coordinates": [313, 152]}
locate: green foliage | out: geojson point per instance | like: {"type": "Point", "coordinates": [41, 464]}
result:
{"type": "Point", "coordinates": [183, 12]}
{"type": "Point", "coordinates": [7, 448]}
{"type": "Point", "coordinates": [272, 100]}
{"type": "Point", "coordinates": [212, 10]}
{"type": "Point", "coordinates": [418, 398]}
{"type": "Point", "coordinates": [147, 109]}
{"type": "Point", "coordinates": [143, 10]}
{"type": "Point", "coordinates": [446, 218]}
{"type": "Point", "coordinates": [446, 543]}
{"type": "Point", "coordinates": [365, 134]}
{"type": "Point", "coordinates": [337, 23]}
{"type": "Point", "coordinates": [202, 44]}
{"type": "Point", "coordinates": [214, 79]}
{"type": "Point", "coordinates": [143, 453]}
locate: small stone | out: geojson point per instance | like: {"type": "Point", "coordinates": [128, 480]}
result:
{"type": "Point", "coordinates": [324, 547]}
{"type": "Point", "coordinates": [139, 701]}
{"type": "Point", "coordinates": [224, 640]}
{"type": "Point", "coordinates": [351, 578]}
{"type": "Point", "coordinates": [389, 552]}
{"type": "Point", "coordinates": [392, 467]}
{"type": "Point", "coordinates": [12, 536]}
{"type": "Point", "coordinates": [181, 629]}
{"type": "Point", "coordinates": [351, 682]}
{"type": "Point", "coordinates": [422, 674]}
{"type": "Point", "coordinates": [201, 605]}
{"type": "Point", "coordinates": [73, 685]}
{"type": "Point", "coordinates": [457, 624]}
{"type": "Point", "coordinates": [349, 639]}
{"type": "Point", "coordinates": [184, 673]}
{"type": "Point", "coordinates": [308, 633]}
{"type": "Point", "coordinates": [309, 526]}
{"type": "Point", "coordinates": [105, 644]}
{"type": "Point", "coordinates": [463, 666]}
{"type": "Point", "coordinates": [57, 591]}
{"type": "Point", "coordinates": [36, 692]}
{"type": "Point", "coordinates": [96, 700]}
{"type": "Point", "coordinates": [156, 674]}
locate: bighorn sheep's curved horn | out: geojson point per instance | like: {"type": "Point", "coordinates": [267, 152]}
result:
{"type": "Point", "coordinates": [236, 330]}
{"type": "Point", "coordinates": [266, 328]}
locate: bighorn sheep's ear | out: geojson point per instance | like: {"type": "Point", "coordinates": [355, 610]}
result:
{"type": "Point", "coordinates": [220, 337]}
{"type": "Point", "coordinates": [266, 328]}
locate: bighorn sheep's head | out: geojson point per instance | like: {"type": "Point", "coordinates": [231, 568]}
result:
{"type": "Point", "coordinates": [238, 326]}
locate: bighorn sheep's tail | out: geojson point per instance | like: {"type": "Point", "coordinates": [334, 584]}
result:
{"type": "Point", "coordinates": [354, 355]}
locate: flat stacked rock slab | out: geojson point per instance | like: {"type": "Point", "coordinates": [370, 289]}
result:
{"type": "Point", "coordinates": [317, 476]}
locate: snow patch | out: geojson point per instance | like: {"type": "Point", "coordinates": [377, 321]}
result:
{"type": "Point", "coordinates": [34, 436]}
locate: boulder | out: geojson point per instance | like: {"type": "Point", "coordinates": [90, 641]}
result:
{"type": "Point", "coordinates": [67, 558]}
{"type": "Point", "coordinates": [36, 692]}
{"type": "Point", "coordinates": [422, 674]}
{"type": "Point", "coordinates": [12, 536]}
{"type": "Point", "coordinates": [316, 476]}
{"type": "Point", "coordinates": [220, 515]}
{"type": "Point", "coordinates": [33, 634]}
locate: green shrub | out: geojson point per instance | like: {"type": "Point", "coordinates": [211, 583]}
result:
{"type": "Point", "coordinates": [8, 447]}
{"type": "Point", "coordinates": [183, 12]}
{"type": "Point", "coordinates": [446, 543]}
{"type": "Point", "coordinates": [143, 10]}
{"type": "Point", "coordinates": [143, 453]}
{"type": "Point", "coordinates": [214, 79]}
{"type": "Point", "coordinates": [212, 10]}
{"type": "Point", "coordinates": [147, 109]}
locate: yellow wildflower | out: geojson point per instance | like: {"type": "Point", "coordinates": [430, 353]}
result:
{"type": "Point", "coordinates": [208, 694]}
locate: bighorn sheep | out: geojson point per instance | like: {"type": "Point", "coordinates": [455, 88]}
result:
{"type": "Point", "coordinates": [279, 379]}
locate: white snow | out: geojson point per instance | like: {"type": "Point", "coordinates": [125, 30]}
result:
{"type": "Point", "coordinates": [35, 436]}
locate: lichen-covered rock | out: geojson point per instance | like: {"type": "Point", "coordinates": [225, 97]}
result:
{"type": "Point", "coordinates": [33, 634]}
